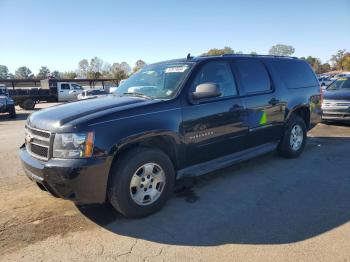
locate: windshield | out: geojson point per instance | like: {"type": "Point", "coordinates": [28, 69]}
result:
{"type": "Point", "coordinates": [77, 87]}
{"type": "Point", "coordinates": [159, 81]}
{"type": "Point", "coordinates": [340, 83]}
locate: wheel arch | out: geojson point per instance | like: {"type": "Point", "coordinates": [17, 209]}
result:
{"type": "Point", "coordinates": [164, 142]}
{"type": "Point", "coordinates": [303, 111]}
{"type": "Point", "coordinates": [167, 142]}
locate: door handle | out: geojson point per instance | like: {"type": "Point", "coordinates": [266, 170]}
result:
{"type": "Point", "coordinates": [236, 107]}
{"type": "Point", "coordinates": [274, 101]}
{"type": "Point", "coordinates": [61, 91]}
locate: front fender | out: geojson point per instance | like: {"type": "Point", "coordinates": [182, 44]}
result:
{"type": "Point", "coordinates": [148, 135]}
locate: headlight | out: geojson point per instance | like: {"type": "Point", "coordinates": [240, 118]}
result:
{"type": "Point", "coordinates": [73, 145]}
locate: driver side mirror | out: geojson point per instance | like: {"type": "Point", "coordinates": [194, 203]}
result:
{"type": "Point", "coordinates": [206, 90]}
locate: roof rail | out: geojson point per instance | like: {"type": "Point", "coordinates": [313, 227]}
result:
{"type": "Point", "coordinates": [253, 55]}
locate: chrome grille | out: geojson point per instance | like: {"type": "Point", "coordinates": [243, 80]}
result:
{"type": "Point", "coordinates": [40, 133]}
{"type": "Point", "coordinates": [335, 104]}
{"type": "Point", "coordinates": [38, 142]}
{"type": "Point", "coordinates": [39, 150]}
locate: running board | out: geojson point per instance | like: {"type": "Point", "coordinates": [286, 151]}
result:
{"type": "Point", "coordinates": [226, 161]}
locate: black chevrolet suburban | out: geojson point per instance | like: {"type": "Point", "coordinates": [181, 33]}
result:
{"type": "Point", "coordinates": [172, 119]}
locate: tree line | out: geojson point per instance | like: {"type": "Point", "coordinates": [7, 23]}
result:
{"type": "Point", "coordinates": [97, 68]}
{"type": "Point", "coordinates": [93, 68]}
{"type": "Point", "coordinates": [339, 61]}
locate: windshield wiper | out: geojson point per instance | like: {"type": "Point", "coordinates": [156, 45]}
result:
{"type": "Point", "coordinates": [137, 94]}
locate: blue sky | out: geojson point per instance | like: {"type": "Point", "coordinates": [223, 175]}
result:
{"type": "Point", "coordinates": [58, 34]}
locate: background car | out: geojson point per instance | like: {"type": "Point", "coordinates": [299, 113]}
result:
{"type": "Point", "coordinates": [6, 102]}
{"type": "Point", "coordinates": [324, 81]}
{"type": "Point", "coordinates": [88, 94]}
{"type": "Point", "coordinates": [336, 100]}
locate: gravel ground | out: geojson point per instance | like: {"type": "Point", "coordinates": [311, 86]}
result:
{"type": "Point", "coordinates": [265, 209]}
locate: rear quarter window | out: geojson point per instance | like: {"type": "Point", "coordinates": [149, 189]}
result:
{"type": "Point", "coordinates": [295, 73]}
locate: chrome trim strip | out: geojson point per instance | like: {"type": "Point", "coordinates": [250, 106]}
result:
{"type": "Point", "coordinates": [259, 127]}
{"type": "Point", "coordinates": [39, 130]}
{"type": "Point", "coordinates": [38, 137]}
{"type": "Point", "coordinates": [37, 144]}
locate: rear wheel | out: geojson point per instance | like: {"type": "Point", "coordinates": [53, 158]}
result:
{"type": "Point", "coordinates": [141, 182]}
{"type": "Point", "coordinates": [28, 104]}
{"type": "Point", "coordinates": [12, 112]}
{"type": "Point", "coordinates": [294, 138]}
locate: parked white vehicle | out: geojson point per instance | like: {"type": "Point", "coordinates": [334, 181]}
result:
{"type": "Point", "coordinates": [88, 94]}
{"type": "Point", "coordinates": [68, 91]}
{"type": "Point", "coordinates": [345, 74]}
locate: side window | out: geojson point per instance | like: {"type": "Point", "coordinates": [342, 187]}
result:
{"type": "Point", "coordinates": [65, 86]}
{"type": "Point", "coordinates": [253, 76]}
{"type": "Point", "coordinates": [295, 73]}
{"type": "Point", "coordinates": [218, 72]}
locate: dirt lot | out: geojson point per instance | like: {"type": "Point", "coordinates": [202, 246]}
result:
{"type": "Point", "coordinates": [266, 209]}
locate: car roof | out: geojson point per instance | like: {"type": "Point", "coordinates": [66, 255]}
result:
{"type": "Point", "coordinates": [197, 59]}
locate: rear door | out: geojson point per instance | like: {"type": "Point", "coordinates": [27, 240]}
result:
{"type": "Point", "coordinates": [213, 127]}
{"type": "Point", "coordinates": [264, 110]}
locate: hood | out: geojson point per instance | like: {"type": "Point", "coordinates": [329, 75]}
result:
{"type": "Point", "coordinates": [55, 117]}
{"type": "Point", "coordinates": [337, 94]}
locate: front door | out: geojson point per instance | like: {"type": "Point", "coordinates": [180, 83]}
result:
{"type": "Point", "coordinates": [63, 92]}
{"type": "Point", "coordinates": [214, 127]}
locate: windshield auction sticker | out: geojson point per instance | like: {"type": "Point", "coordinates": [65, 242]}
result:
{"type": "Point", "coordinates": [177, 69]}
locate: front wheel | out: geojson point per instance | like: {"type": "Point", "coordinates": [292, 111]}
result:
{"type": "Point", "coordinates": [294, 138]}
{"type": "Point", "coordinates": [141, 182]}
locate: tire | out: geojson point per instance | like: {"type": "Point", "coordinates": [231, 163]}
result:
{"type": "Point", "coordinates": [12, 112]}
{"type": "Point", "coordinates": [122, 194]}
{"type": "Point", "coordinates": [28, 104]}
{"type": "Point", "coordinates": [288, 149]}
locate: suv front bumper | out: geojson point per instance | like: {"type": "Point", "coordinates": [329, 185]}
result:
{"type": "Point", "coordinates": [83, 181]}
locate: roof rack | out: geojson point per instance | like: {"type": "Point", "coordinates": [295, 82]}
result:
{"type": "Point", "coordinates": [250, 55]}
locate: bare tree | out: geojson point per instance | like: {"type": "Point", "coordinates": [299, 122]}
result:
{"type": "Point", "coordinates": [83, 68]}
